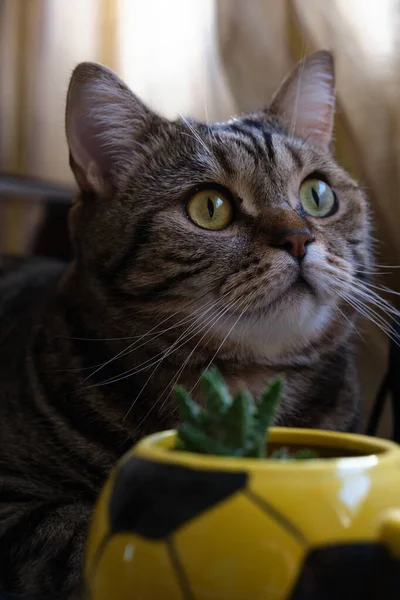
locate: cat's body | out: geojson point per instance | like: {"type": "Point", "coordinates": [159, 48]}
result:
{"type": "Point", "coordinates": [153, 298]}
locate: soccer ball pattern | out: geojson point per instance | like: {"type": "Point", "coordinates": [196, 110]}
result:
{"type": "Point", "coordinates": [167, 531]}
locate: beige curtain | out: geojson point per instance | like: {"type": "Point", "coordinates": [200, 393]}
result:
{"type": "Point", "coordinates": [207, 58]}
{"type": "Point", "coordinates": [40, 42]}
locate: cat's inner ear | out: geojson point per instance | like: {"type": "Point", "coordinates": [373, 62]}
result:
{"type": "Point", "coordinates": [104, 120]}
{"type": "Point", "coordinates": [305, 102]}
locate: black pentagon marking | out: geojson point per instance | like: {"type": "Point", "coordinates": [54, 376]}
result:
{"type": "Point", "coordinates": [154, 499]}
{"type": "Point", "coordinates": [348, 572]}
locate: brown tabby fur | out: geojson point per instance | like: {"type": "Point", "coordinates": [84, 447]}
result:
{"type": "Point", "coordinates": [82, 379]}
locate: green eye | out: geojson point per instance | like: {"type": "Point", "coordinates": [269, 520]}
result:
{"type": "Point", "coordinates": [317, 198]}
{"type": "Point", "coordinates": [210, 209]}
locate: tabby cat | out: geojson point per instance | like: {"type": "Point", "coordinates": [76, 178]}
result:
{"type": "Point", "coordinates": [233, 244]}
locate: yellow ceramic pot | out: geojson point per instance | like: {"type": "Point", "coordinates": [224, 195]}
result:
{"type": "Point", "coordinates": [179, 526]}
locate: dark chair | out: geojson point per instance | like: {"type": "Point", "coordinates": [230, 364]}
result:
{"type": "Point", "coordinates": [51, 239]}
{"type": "Point", "coordinates": [390, 389]}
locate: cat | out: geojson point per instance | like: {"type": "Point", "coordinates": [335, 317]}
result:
{"type": "Point", "coordinates": [232, 244]}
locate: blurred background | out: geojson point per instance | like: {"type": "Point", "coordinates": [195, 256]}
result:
{"type": "Point", "coordinates": [207, 59]}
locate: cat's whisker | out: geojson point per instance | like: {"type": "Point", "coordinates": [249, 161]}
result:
{"type": "Point", "coordinates": [181, 369]}
{"type": "Point", "coordinates": [370, 314]}
{"type": "Point", "coordinates": [305, 141]}
{"type": "Point", "coordinates": [365, 290]}
{"type": "Point", "coordinates": [365, 299]}
{"type": "Point", "coordinates": [375, 265]}
{"type": "Point", "coordinates": [196, 135]}
{"type": "Point", "coordinates": [222, 343]}
{"type": "Point", "coordinates": [210, 304]}
{"type": "Point", "coordinates": [132, 347]}
{"type": "Point", "coordinates": [165, 354]}
{"type": "Point", "coordinates": [346, 318]}
{"type": "Point", "coordinates": [299, 82]}
{"type": "Point", "coordinates": [372, 297]}
{"type": "Point", "coordinates": [123, 352]}
{"type": "Point", "coordinates": [84, 339]}
{"type": "Point", "coordinates": [208, 326]}
{"type": "Point", "coordinates": [99, 365]}
{"type": "Point", "coordinates": [176, 377]}
{"type": "Point", "coordinates": [147, 364]}
{"type": "Point", "coordinates": [381, 288]}
{"type": "Point", "coordinates": [369, 301]}
{"type": "Point", "coordinates": [379, 319]}
{"type": "Point", "coordinates": [376, 302]}
{"type": "Point", "coordinates": [375, 318]}
{"type": "Point", "coordinates": [161, 355]}
{"type": "Point", "coordinates": [208, 123]}
{"type": "Point", "coordinates": [379, 273]}
{"type": "Point", "coordinates": [364, 310]}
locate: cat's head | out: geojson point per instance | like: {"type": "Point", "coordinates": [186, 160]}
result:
{"type": "Point", "coordinates": [248, 225]}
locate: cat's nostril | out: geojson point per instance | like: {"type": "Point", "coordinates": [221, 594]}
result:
{"type": "Point", "coordinates": [294, 241]}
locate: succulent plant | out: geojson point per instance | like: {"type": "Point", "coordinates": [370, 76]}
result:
{"type": "Point", "coordinates": [226, 425]}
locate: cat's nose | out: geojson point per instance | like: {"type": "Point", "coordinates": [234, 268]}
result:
{"type": "Point", "coordinates": [294, 241]}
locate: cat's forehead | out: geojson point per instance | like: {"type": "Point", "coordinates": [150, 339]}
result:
{"type": "Point", "coordinates": [263, 140]}
{"type": "Point", "coordinates": [255, 158]}
{"type": "Point", "coordinates": [252, 156]}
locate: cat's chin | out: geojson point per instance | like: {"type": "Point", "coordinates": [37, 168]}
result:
{"type": "Point", "coordinates": [291, 323]}
{"type": "Point", "coordinates": [299, 292]}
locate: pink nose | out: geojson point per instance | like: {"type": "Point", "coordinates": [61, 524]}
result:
{"type": "Point", "coordinates": [294, 241]}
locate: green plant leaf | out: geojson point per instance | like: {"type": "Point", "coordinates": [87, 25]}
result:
{"type": "Point", "coordinates": [239, 419]}
{"type": "Point", "coordinates": [216, 393]}
{"type": "Point", "coordinates": [197, 441]}
{"type": "Point", "coordinates": [268, 407]}
{"type": "Point", "coordinates": [229, 426]}
{"type": "Point", "coordinates": [189, 410]}
{"type": "Point", "coordinates": [305, 454]}
{"type": "Point", "coordinates": [180, 445]}
{"type": "Point", "coordinates": [280, 454]}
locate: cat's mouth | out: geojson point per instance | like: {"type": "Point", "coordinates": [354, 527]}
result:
{"type": "Point", "coordinates": [303, 285]}
{"type": "Point", "coordinates": [298, 289]}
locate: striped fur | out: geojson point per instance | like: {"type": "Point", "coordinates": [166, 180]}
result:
{"type": "Point", "coordinates": [82, 374]}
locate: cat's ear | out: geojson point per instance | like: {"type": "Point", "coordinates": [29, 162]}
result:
{"type": "Point", "coordinates": [305, 102]}
{"type": "Point", "coordinates": [104, 120]}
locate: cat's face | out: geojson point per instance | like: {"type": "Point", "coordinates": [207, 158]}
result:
{"type": "Point", "coordinates": [248, 225]}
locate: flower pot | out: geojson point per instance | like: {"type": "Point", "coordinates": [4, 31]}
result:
{"type": "Point", "coordinates": [180, 526]}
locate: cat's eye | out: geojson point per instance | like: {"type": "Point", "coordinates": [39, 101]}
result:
{"type": "Point", "coordinates": [317, 198]}
{"type": "Point", "coordinates": [210, 209]}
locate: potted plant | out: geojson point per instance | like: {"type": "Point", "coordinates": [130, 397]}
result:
{"type": "Point", "coordinates": [212, 511]}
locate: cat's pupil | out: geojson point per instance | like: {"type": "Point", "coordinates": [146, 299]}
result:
{"type": "Point", "coordinates": [315, 196]}
{"type": "Point", "coordinates": [210, 206]}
